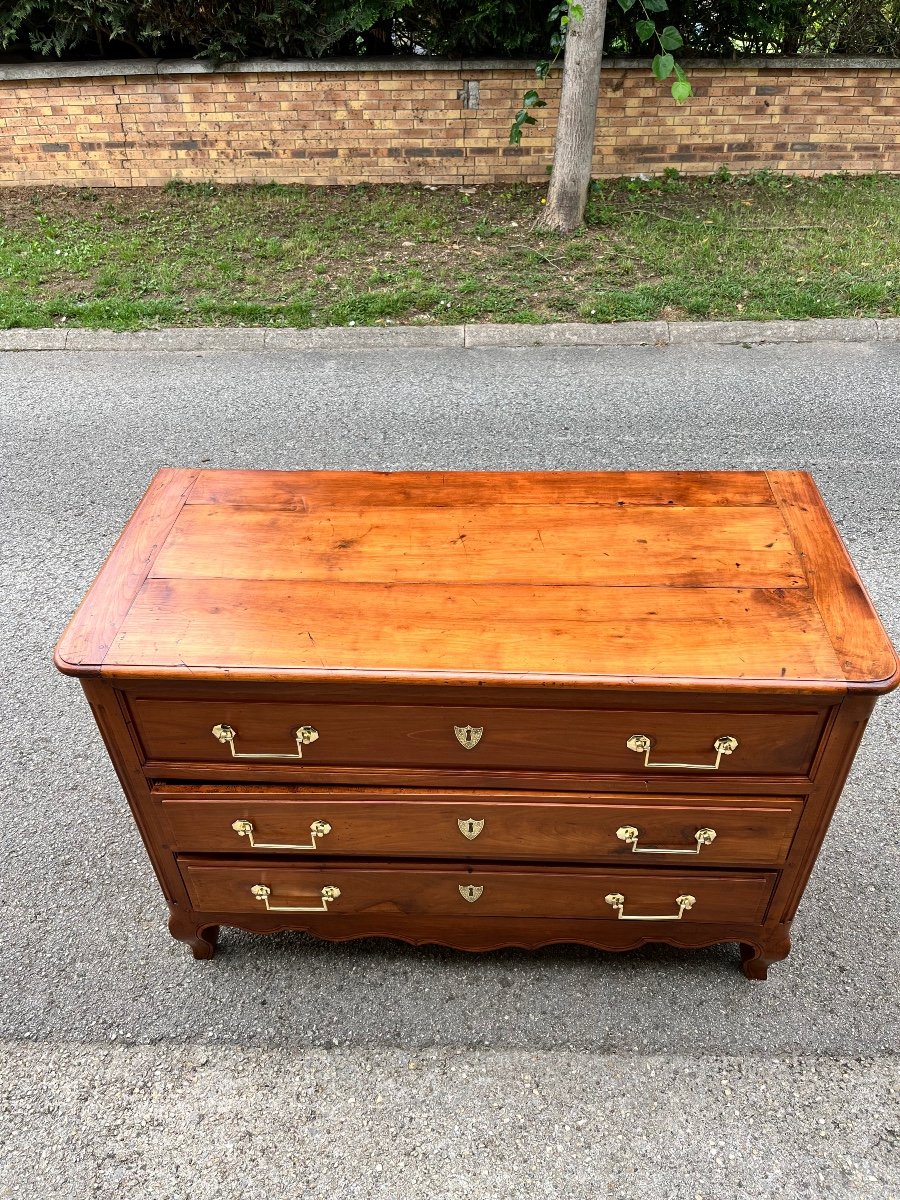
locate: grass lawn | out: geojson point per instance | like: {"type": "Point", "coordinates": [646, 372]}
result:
{"type": "Point", "coordinates": [760, 246]}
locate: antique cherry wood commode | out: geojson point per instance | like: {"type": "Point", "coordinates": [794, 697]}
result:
{"type": "Point", "coordinates": [482, 710]}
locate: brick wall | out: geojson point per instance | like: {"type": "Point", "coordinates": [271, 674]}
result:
{"type": "Point", "coordinates": [135, 124]}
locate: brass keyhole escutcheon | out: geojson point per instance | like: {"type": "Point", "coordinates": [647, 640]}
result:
{"type": "Point", "coordinates": [469, 827]}
{"type": "Point", "coordinates": [468, 736]}
{"type": "Point", "coordinates": [471, 891]}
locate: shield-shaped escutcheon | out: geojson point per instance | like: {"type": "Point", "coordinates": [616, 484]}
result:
{"type": "Point", "coordinates": [468, 736]}
{"type": "Point", "coordinates": [470, 828]}
{"type": "Point", "coordinates": [471, 891]}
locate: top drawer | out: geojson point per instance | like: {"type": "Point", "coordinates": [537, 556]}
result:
{"type": "Point", "coordinates": [472, 738]}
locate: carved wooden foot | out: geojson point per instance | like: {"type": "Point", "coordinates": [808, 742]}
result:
{"type": "Point", "coordinates": [202, 939]}
{"type": "Point", "coordinates": [756, 960]}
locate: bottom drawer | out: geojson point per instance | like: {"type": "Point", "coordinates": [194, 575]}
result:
{"type": "Point", "coordinates": [491, 891]}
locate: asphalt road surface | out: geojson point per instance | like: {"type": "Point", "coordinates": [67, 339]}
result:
{"type": "Point", "coordinates": [290, 1068]}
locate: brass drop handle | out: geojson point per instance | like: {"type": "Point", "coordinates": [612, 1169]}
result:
{"type": "Point", "coordinates": [617, 901]}
{"type": "Point", "coordinates": [318, 829]}
{"type": "Point", "coordinates": [303, 736]}
{"type": "Point", "coordinates": [629, 834]}
{"type": "Point", "coordinates": [328, 893]}
{"type": "Point", "coordinates": [640, 743]}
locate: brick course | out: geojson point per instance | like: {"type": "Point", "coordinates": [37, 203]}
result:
{"type": "Point", "coordinates": [332, 123]}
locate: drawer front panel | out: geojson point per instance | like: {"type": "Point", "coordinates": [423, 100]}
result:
{"type": "Point", "coordinates": [320, 823]}
{"type": "Point", "coordinates": [263, 733]}
{"type": "Point", "coordinates": [325, 891]}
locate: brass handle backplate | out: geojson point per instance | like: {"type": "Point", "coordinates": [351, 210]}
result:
{"type": "Point", "coordinates": [640, 743]}
{"type": "Point", "coordinates": [629, 834]}
{"type": "Point", "coordinates": [617, 901]}
{"type": "Point", "coordinates": [318, 829]}
{"type": "Point", "coordinates": [303, 736]}
{"type": "Point", "coordinates": [328, 893]}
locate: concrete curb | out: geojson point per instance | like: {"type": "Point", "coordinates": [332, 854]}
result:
{"type": "Point", "coordinates": [458, 337]}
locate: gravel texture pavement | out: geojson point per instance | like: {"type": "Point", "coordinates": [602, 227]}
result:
{"type": "Point", "coordinates": [199, 1123]}
{"type": "Point", "coordinates": [133, 1071]}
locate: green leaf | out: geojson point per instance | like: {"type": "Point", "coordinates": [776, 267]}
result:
{"type": "Point", "coordinates": [645, 30]}
{"type": "Point", "coordinates": [679, 73]}
{"type": "Point", "coordinates": [626, 4]}
{"type": "Point", "coordinates": [531, 99]}
{"type": "Point", "coordinates": [670, 38]}
{"type": "Point", "coordinates": [576, 12]}
{"type": "Point", "coordinates": [542, 69]}
{"type": "Point", "coordinates": [656, 5]}
{"type": "Point", "coordinates": [681, 89]}
{"type": "Point", "coordinates": [662, 66]}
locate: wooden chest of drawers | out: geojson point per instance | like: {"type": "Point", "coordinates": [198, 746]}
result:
{"type": "Point", "coordinates": [482, 709]}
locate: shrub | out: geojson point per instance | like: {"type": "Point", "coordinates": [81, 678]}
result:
{"type": "Point", "coordinates": [218, 29]}
{"type": "Point", "coordinates": [235, 29]}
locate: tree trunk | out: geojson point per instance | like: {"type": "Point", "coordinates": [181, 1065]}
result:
{"type": "Point", "coordinates": [574, 149]}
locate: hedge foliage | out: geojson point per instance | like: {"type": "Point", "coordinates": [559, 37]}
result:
{"type": "Point", "coordinates": [709, 27]}
{"type": "Point", "coordinates": [236, 29]}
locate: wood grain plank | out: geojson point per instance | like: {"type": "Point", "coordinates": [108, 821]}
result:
{"type": "Point", "coordinates": [85, 641]}
{"type": "Point", "coordinates": [862, 646]}
{"type": "Point", "coordinates": [524, 544]}
{"type": "Point", "coordinates": [710, 633]}
{"type": "Point", "coordinates": [318, 491]}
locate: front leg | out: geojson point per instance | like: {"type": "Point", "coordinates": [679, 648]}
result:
{"type": "Point", "coordinates": [756, 958]}
{"type": "Point", "coordinates": [202, 939]}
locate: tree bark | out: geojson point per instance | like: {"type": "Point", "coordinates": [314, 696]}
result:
{"type": "Point", "coordinates": [574, 149]}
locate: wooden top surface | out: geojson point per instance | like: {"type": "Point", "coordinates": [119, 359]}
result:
{"type": "Point", "coordinates": [677, 579]}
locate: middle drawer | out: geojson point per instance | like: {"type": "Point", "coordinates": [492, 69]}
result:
{"type": "Point", "coordinates": [390, 822]}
